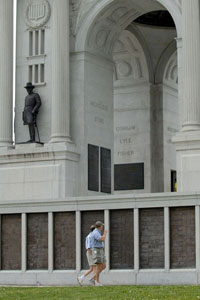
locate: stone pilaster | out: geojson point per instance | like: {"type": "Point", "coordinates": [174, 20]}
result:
{"type": "Point", "coordinates": [60, 126]}
{"type": "Point", "coordinates": [191, 65]}
{"type": "Point", "coordinates": [6, 72]}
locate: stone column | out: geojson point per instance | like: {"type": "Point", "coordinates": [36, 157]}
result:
{"type": "Point", "coordinates": [6, 72]}
{"type": "Point", "coordinates": [60, 126]}
{"type": "Point", "coordinates": [191, 65]}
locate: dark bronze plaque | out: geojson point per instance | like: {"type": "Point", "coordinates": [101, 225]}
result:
{"type": "Point", "coordinates": [121, 239]}
{"type": "Point", "coordinates": [182, 237]}
{"type": "Point", "coordinates": [65, 241]}
{"type": "Point", "coordinates": [129, 177]}
{"type": "Point", "coordinates": [11, 242]}
{"type": "Point", "coordinates": [151, 238]}
{"type": "Point", "coordinates": [93, 168]}
{"type": "Point", "coordinates": [37, 241]}
{"type": "Point", "coordinates": [105, 170]}
{"type": "Point", "coordinates": [87, 219]}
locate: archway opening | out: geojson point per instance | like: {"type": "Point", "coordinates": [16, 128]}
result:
{"type": "Point", "coordinates": [127, 54]}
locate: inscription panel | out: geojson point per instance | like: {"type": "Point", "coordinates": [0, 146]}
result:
{"type": "Point", "coordinates": [129, 176]}
{"type": "Point", "coordinates": [105, 170]}
{"type": "Point", "coordinates": [88, 218]}
{"type": "Point", "coordinates": [121, 239]}
{"type": "Point", "coordinates": [64, 241]}
{"type": "Point", "coordinates": [151, 238]}
{"type": "Point", "coordinates": [11, 242]}
{"type": "Point", "coordinates": [93, 168]}
{"type": "Point", "coordinates": [37, 241]}
{"type": "Point", "coordinates": [182, 237]}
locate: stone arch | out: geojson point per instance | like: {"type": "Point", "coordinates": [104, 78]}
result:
{"type": "Point", "coordinates": [130, 65]}
{"type": "Point", "coordinates": [107, 18]}
{"type": "Point", "coordinates": [170, 77]}
{"type": "Point", "coordinates": [160, 71]}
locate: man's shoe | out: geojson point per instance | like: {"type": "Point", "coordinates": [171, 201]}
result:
{"type": "Point", "coordinates": [98, 284]}
{"type": "Point", "coordinates": [80, 281]}
{"type": "Point", "coordinates": [92, 281]}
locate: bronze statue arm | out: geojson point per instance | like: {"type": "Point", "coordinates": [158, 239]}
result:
{"type": "Point", "coordinates": [38, 104]}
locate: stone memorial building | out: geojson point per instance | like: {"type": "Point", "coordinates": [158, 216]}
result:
{"type": "Point", "coordinates": [118, 130]}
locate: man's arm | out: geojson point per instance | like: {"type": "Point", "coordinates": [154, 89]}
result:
{"type": "Point", "coordinates": [103, 237]}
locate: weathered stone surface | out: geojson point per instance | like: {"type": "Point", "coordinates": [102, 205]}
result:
{"type": "Point", "coordinates": [11, 242]}
{"type": "Point", "coordinates": [121, 239]}
{"type": "Point", "coordinates": [64, 241]}
{"type": "Point", "coordinates": [182, 241]}
{"type": "Point", "coordinates": [37, 241]}
{"type": "Point", "coordinates": [151, 238]}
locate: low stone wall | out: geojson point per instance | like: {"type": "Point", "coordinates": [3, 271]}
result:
{"type": "Point", "coordinates": [153, 239]}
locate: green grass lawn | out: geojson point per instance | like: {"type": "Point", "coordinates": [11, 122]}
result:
{"type": "Point", "coordinates": [97, 293]}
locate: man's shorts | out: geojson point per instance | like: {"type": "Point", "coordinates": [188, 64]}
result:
{"type": "Point", "coordinates": [98, 256]}
{"type": "Point", "coordinates": [90, 259]}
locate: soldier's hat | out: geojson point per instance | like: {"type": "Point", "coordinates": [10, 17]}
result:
{"type": "Point", "coordinates": [29, 85]}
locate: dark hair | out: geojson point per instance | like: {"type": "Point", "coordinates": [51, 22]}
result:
{"type": "Point", "coordinates": [92, 227]}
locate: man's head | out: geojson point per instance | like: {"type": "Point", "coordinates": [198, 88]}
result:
{"type": "Point", "coordinates": [29, 87]}
{"type": "Point", "coordinates": [92, 227]}
{"type": "Point", "coordinates": [99, 225]}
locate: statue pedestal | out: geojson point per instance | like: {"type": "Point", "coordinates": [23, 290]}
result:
{"type": "Point", "coordinates": [34, 171]}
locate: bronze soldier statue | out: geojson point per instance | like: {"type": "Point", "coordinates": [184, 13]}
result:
{"type": "Point", "coordinates": [31, 108]}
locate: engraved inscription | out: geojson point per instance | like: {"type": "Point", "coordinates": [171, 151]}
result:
{"type": "Point", "coordinates": [99, 105]}
{"type": "Point", "coordinates": [125, 153]}
{"type": "Point", "coordinates": [172, 130]}
{"type": "Point", "coordinates": [126, 141]}
{"type": "Point", "coordinates": [99, 120]}
{"type": "Point", "coordinates": [125, 128]}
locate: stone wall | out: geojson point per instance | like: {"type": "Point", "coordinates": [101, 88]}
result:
{"type": "Point", "coordinates": [64, 240]}
{"type": "Point", "coordinates": [37, 241]}
{"type": "Point", "coordinates": [182, 242]}
{"type": "Point", "coordinates": [151, 239]}
{"type": "Point", "coordinates": [121, 239]}
{"type": "Point", "coordinates": [11, 242]}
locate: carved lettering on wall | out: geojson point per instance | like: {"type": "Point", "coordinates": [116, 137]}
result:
{"type": "Point", "coordinates": [125, 128]}
{"type": "Point", "coordinates": [125, 153]}
{"type": "Point", "coordinates": [125, 141]}
{"type": "Point", "coordinates": [99, 120]}
{"type": "Point", "coordinates": [99, 105]}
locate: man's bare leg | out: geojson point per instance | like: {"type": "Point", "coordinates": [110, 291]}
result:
{"type": "Point", "coordinates": [89, 271]}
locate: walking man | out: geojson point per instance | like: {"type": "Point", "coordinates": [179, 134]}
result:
{"type": "Point", "coordinates": [98, 250]}
{"type": "Point", "coordinates": [89, 248]}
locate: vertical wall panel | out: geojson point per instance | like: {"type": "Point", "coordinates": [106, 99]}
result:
{"type": "Point", "coordinates": [121, 239]}
{"type": "Point", "coordinates": [11, 242]}
{"type": "Point", "coordinates": [87, 219]}
{"type": "Point", "coordinates": [37, 241]}
{"type": "Point", "coordinates": [182, 237]}
{"type": "Point", "coordinates": [64, 241]}
{"type": "Point", "coordinates": [151, 222]}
